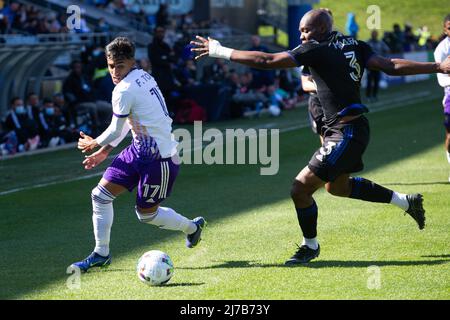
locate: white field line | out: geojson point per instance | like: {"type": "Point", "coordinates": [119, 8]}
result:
{"type": "Point", "coordinates": [375, 107]}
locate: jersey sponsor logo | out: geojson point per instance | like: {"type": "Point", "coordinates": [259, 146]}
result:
{"type": "Point", "coordinates": [325, 150]}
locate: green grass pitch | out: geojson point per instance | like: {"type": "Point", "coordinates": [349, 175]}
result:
{"type": "Point", "coordinates": [46, 222]}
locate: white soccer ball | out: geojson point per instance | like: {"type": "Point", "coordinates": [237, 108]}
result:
{"type": "Point", "coordinates": [155, 268]}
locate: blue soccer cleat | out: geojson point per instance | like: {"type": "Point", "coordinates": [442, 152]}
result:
{"type": "Point", "coordinates": [93, 260]}
{"type": "Point", "coordinates": [193, 239]}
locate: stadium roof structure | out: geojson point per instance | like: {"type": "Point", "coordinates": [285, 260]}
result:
{"type": "Point", "coordinates": [21, 62]}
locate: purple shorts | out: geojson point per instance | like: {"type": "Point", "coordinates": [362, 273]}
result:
{"type": "Point", "coordinates": [153, 177]}
{"type": "Point", "coordinates": [446, 103]}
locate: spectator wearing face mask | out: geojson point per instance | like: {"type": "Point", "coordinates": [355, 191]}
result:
{"type": "Point", "coordinates": [53, 128]}
{"type": "Point", "coordinates": [26, 129]}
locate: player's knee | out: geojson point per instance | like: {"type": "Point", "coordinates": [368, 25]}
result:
{"type": "Point", "coordinates": [337, 189]}
{"type": "Point", "coordinates": [299, 191]}
{"type": "Point", "coordinates": [145, 217]}
{"type": "Point", "coordinates": [101, 195]}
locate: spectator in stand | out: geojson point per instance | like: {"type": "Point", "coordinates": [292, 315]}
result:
{"type": "Point", "coordinates": [373, 76]}
{"type": "Point", "coordinates": [69, 114]}
{"type": "Point", "coordinates": [261, 78]}
{"type": "Point", "coordinates": [26, 129]}
{"type": "Point", "coordinates": [172, 35]}
{"type": "Point", "coordinates": [8, 141]}
{"type": "Point", "coordinates": [288, 80]}
{"type": "Point", "coordinates": [20, 17]}
{"type": "Point", "coordinates": [187, 73]}
{"type": "Point", "coordinates": [102, 26]}
{"type": "Point", "coordinates": [410, 39]}
{"type": "Point", "coordinates": [31, 26]}
{"type": "Point", "coordinates": [33, 106]}
{"type": "Point", "coordinates": [103, 85]}
{"type": "Point", "coordinates": [42, 26]}
{"type": "Point", "coordinates": [145, 65]}
{"type": "Point", "coordinates": [398, 39]}
{"type": "Point", "coordinates": [351, 27]}
{"type": "Point", "coordinates": [100, 3]}
{"type": "Point", "coordinates": [234, 83]}
{"type": "Point", "coordinates": [424, 36]}
{"type": "Point", "coordinates": [78, 92]}
{"type": "Point", "coordinates": [53, 24]}
{"type": "Point", "coordinates": [251, 101]}
{"type": "Point", "coordinates": [10, 13]}
{"type": "Point", "coordinates": [3, 23]}
{"type": "Point", "coordinates": [117, 7]}
{"type": "Point", "coordinates": [162, 16]}
{"type": "Point", "coordinates": [187, 20]}
{"type": "Point", "coordinates": [53, 128]}
{"type": "Point", "coordinates": [32, 12]}
{"type": "Point", "coordinates": [162, 58]}
{"type": "Point", "coordinates": [216, 72]}
{"type": "Point", "coordinates": [182, 48]}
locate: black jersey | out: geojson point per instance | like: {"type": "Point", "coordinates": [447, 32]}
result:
{"type": "Point", "coordinates": [336, 65]}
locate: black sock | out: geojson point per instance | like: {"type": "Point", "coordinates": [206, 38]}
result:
{"type": "Point", "coordinates": [367, 190]}
{"type": "Point", "coordinates": [307, 219]}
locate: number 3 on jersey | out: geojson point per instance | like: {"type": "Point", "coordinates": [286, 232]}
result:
{"type": "Point", "coordinates": [356, 76]}
{"type": "Point", "coordinates": [155, 92]}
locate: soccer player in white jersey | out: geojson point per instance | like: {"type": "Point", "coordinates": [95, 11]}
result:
{"type": "Point", "coordinates": [148, 163]}
{"type": "Point", "coordinates": [443, 51]}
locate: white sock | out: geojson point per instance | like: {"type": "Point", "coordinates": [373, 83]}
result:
{"type": "Point", "coordinates": [102, 218]}
{"type": "Point", "coordinates": [311, 243]}
{"type": "Point", "coordinates": [448, 157]}
{"type": "Point", "coordinates": [399, 199]}
{"type": "Point", "coordinates": [167, 218]}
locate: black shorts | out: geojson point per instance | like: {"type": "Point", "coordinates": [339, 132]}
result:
{"type": "Point", "coordinates": [342, 149]}
{"type": "Point", "coordinates": [315, 114]}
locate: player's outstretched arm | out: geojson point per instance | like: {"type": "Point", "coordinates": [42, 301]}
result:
{"type": "Point", "coordinates": [402, 67]}
{"type": "Point", "coordinates": [255, 59]}
{"type": "Point", "coordinates": [97, 157]}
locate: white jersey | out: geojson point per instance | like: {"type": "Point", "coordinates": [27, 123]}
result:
{"type": "Point", "coordinates": [443, 51]}
{"type": "Point", "coordinates": [138, 98]}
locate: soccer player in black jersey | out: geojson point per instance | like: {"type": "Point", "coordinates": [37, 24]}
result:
{"type": "Point", "coordinates": [315, 111]}
{"type": "Point", "coordinates": [336, 63]}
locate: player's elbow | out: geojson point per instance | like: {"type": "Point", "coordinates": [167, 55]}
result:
{"type": "Point", "coordinates": [265, 62]}
{"type": "Point", "coordinates": [389, 68]}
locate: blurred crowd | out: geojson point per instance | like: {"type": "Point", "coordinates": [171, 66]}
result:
{"type": "Point", "coordinates": [399, 40]}
{"type": "Point", "coordinates": [26, 18]}
{"type": "Point", "coordinates": [84, 101]}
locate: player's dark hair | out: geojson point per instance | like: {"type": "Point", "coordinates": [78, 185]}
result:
{"type": "Point", "coordinates": [120, 48]}
{"type": "Point", "coordinates": [447, 18]}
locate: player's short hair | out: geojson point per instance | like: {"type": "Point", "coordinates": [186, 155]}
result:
{"type": "Point", "coordinates": [328, 11]}
{"type": "Point", "coordinates": [120, 48]}
{"type": "Point", "coordinates": [447, 18]}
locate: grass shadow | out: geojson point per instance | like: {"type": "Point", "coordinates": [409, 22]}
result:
{"type": "Point", "coordinates": [437, 256]}
{"type": "Point", "coordinates": [416, 183]}
{"type": "Point", "coordinates": [319, 264]}
{"type": "Point", "coordinates": [183, 284]}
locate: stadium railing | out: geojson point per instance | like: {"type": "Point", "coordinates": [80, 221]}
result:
{"type": "Point", "coordinates": [21, 59]}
